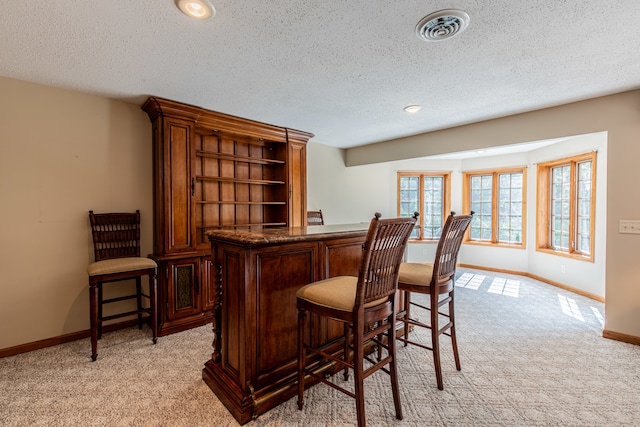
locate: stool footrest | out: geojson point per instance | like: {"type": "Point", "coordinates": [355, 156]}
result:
{"type": "Point", "coordinates": [124, 298]}
{"type": "Point", "coordinates": [128, 313]}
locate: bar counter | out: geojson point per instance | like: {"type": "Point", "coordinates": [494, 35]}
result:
{"type": "Point", "coordinates": [256, 274]}
{"type": "Point", "coordinates": [282, 235]}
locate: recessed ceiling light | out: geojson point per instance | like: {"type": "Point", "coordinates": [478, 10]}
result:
{"type": "Point", "coordinates": [412, 108]}
{"type": "Point", "coordinates": [442, 25]}
{"type": "Point", "coordinates": [198, 9]}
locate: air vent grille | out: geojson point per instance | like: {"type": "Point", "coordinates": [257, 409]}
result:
{"type": "Point", "coordinates": [442, 25]}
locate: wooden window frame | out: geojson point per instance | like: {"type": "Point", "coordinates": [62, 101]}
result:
{"type": "Point", "coordinates": [466, 205]}
{"type": "Point", "coordinates": [543, 239]}
{"type": "Point", "coordinates": [446, 189]}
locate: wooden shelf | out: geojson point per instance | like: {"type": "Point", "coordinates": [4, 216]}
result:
{"type": "Point", "coordinates": [236, 202]}
{"type": "Point", "coordinates": [239, 180]}
{"type": "Point", "coordinates": [244, 159]}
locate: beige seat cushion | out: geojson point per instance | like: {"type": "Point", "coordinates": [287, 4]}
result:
{"type": "Point", "coordinates": [336, 292]}
{"type": "Point", "coordinates": [119, 265]}
{"type": "Point", "coordinates": [413, 273]}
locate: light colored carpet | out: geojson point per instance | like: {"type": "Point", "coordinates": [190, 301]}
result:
{"type": "Point", "coordinates": [532, 355]}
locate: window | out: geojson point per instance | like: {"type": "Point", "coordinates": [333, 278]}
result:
{"type": "Point", "coordinates": [566, 202]}
{"type": "Point", "coordinates": [497, 198]}
{"type": "Point", "coordinates": [428, 194]}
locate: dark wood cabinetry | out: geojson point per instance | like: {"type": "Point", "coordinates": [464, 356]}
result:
{"type": "Point", "coordinates": [214, 171]}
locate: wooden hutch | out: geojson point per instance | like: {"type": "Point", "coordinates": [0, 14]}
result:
{"type": "Point", "coordinates": [214, 171]}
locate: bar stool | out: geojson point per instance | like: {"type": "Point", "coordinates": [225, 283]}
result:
{"type": "Point", "coordinates": [116, 245]}
{"type": "Point", "coordinates": [366, 306]}
{"type": "Point", "coordinates": [435, 280]}
{"type": "Point", "coordinates": [315, 217]}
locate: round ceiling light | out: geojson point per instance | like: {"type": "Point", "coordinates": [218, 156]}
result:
{"type": "Point", "coordinates": [198, 9]}
{"type": "Point", "coordinates": [442, 25]}
{"type": "Point", "coordinates": [412, 108]}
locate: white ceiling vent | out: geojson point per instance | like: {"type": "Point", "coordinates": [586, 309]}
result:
{"type": "Point", "coordinates": [442, 25]}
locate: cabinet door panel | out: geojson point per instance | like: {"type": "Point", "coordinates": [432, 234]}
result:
{"type": "Point", "coordinates": [285, 272]}
{"type": "Point", "coordinates": [183, 295]}
{"type": "Point", "coordinates": [297, 184]}
{"type": "Point", "coordinates": [207, 284]}
{"type": "Point", "coordinates": [178, 183]}
{"type": "Point", "coordinates": [340, 257]}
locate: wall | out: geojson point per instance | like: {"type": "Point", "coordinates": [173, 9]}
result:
{"type": "Point", "coordinates": [346, 195]}
{"type": "Point", "coordinates": [62, 153]}
{"type": "Point", "coordinates": [619, 116]}
{"type": "Point", "coordinates": [585, 276]}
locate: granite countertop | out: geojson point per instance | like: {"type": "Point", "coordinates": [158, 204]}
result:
{"type": "Point", "coordinates": [277, 235]}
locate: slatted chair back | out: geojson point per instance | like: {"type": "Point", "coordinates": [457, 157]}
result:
{"type": "Point", "coordinates": [383, 251]}
{"type": "Point", "coordinates": [315, 218]}
{"type": "Point", "coordinates": [115, 235]}
{"type": "Point", "coordinates": [444, 267]}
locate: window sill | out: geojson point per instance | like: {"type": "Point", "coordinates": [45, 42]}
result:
{"type": "Point", "coordinates": [494, 245]}
{"type": "Point", "coordinates": [579, 257]}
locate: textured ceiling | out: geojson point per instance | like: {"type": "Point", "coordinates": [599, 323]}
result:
{"type": "Point", "coordinates": [340, 69]}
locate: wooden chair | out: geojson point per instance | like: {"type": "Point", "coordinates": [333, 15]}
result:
{"type": "Point", "coordinates": [366, 306]}
{"type": "Point", "coordinates": [435, 280]}
{"type": "Point", "coordinates": [116, 247]}
{"type": "Point", "coordinates": [315, 218]}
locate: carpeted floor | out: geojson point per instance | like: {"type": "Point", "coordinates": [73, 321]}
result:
{"type": "Point", "coordinates": [532, 355]}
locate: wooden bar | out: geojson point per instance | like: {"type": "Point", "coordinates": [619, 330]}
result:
{"type": "Point", "coordinates": [256, 275]}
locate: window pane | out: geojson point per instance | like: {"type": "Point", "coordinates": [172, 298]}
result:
{"type": "Point", "coordinates": [510, 206]}
{"type": "Point", "coordinates": [560, 207]}
{"type": "Point", "coordinates": [481, 203]}
{"type": "Point", "coordinates": [502, 194]}
{"type": "Point", "coordinates": [409, 195]}
{"type": "Point", "coordinates": [433, 206]}
{"type": "Point", "coordinates": [426, 195]}
{"type": "Point", "coordinates": [583, 214]}
{"type": "Point", "coordinates": [486, 234]}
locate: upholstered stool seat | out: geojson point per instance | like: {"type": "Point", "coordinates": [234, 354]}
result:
{"type": "Point", "coordinates": [120, 265]}
{"type": "Point", "coordinates": [415, 273]}
{"type": "Point", "coordinates": [338, 293]}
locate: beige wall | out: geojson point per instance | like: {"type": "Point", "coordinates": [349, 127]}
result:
{"type": "Point", "coordinates": [62, 153]}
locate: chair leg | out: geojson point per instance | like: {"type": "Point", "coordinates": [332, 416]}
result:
{"type": "Point", "coordinates": [139, 300]}
{"type": "Point", "coordinates": [153, 304]}
{"type": "Point", "coordinates": [454, 341]}
{"type": "Point", "coordinates": [407, 314]}
{"type": "Point", "coordinates": [302, 314]}
{"type": "Point", "coordinates": [391, 338]}
{"type": "Point", "coordinates": [99, 304]}
{"type": "Point", "coordinates": [346, 351]}
{"type": "Point", "coordinates": [435, 338]}
{"type": "Point", "coordinates": [93, 319]}
{"type": "Point", "coordinates": [358, 373]}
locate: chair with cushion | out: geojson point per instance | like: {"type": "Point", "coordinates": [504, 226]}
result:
{"type": "Point", "coordinates": [315, 218]}
{"type": "Point", "coordinates": [435, 280]}
{"type": "Point", "coordinates": [116, 247]}
{"type": "Point", "coordinates": [366, 306]}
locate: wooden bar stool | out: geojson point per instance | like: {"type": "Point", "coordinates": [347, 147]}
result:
{"type": "Point", "coordinates": [435, 280]}
{"type": "Point", "coordinates": [315, 217]}
{"type": "Point", "coordinates": [116, 245]}
{"type": "Point", "coordinates": [366, 306]}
